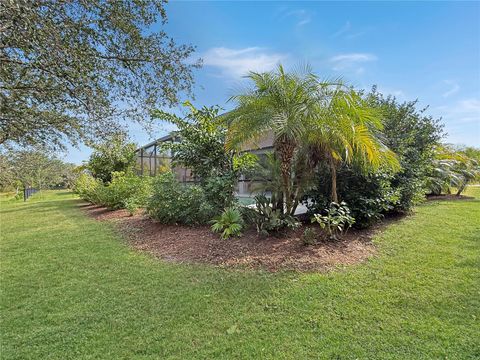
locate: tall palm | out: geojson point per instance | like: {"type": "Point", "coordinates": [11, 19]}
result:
{"type": "Point", "coordinates": [281, 103]}
{"type": "Point", "coordinates": [347, 130]}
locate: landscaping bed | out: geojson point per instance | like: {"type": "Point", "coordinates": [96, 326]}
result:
{"type": "Point", "coordinates": [449, 197]}
{"type": "Point", "coordinates": [198, 244]}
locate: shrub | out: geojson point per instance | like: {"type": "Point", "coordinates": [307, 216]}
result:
{"type": "Point", "coordinates": [369, 196]}
{"type": "Point", "coordinates": [267, 220]}
{"type": "Point", "coordinates": [174, 203]}
{"type": "Point", "coordinates": [125, 191]}
{"type": "Point", "coordinates": [125, 188]}
{"type": "Point", "coordinates": [219, 191]}
{"type": "Point", "coordinates": [132, 205]}
{"type": "Point", "coordinates": [229, 223]}
{"type": "Point", "coordinates": [309, 236]}
{"type": "Point", "coordinates": [413, 136]}
{"type": "Point", "coordinates": [337, 219]}
{"type": "Point", "coordinates": [86, 186]}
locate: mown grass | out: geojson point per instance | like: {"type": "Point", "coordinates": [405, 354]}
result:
{"type": "Point", "coordinates": [72, 289]}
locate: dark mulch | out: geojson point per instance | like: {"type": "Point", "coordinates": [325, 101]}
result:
{"type": "Point", "coordinates": [449, 197]}
{"type": "Point", "coordinates": [199, 245]}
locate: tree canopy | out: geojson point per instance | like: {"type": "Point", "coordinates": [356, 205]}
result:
{"type": "Point", "coordinates": [76, 69]}
{"type": "Point", "coordinates": [114, 154]}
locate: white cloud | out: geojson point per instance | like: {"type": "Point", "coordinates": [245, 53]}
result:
{"type": "Point", "coordinates": [351, 62]}
{"type": "Point", "coordinates": [238, 62]}
{"type": "Point", "coordinates": [462, 120]}
{"type": "Point", "coordinates": [454, 88]}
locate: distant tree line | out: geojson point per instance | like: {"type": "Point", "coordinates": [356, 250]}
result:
{"type": "Point", "coordinates": [34, 167]}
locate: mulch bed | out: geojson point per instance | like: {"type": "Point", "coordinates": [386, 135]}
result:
{"type": "Point", "coordinates": [449, 197]}
{"type": "Point", "coordinates": [198, 244]}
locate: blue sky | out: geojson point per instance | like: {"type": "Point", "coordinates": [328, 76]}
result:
{"type": "Point", "coordinates": [428, 51]}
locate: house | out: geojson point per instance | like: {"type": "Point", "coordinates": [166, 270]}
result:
{"type": "Point", "coordinates": [152, 157]}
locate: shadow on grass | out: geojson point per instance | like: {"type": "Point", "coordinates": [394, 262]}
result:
{"type": "Point", "coordinates": [41, 205]}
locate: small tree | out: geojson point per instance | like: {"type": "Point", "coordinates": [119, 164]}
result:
{"type": "Point", "coordinates": [112, 155]}
{"type": "Point", "coordinates": [201, 147]}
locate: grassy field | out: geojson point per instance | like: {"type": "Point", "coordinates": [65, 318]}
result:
{"type": "Point", "coordinates": [72, 289]}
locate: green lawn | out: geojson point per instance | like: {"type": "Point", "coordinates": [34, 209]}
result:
{"type": "Point", "coordinates": [72, 289]}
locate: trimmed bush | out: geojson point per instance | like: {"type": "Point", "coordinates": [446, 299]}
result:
{"type": "Point", "coordinates": [126, 189]}
{"type": "Point", "coordinates": [174, 203]}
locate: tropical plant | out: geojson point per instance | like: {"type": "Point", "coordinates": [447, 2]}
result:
{"type": "Point", "coordinates": [268, 220]}
{"type": "Point", "coordinates": [348, 131]}
{"type": "Point", "coordinates": [229, 223]}
{"type": "Point", "coordinates": [201, 147]}
{"type": "Point", "coordinates": [309, 236]}
{"type": "Point", "coordinates": [336, 219]}
{"type": "Point", "coordinates": [282, 105]}
{"type": "Point", "coordinates": [311, 121]}
{"type": "Point", "coordinates": [452, 168]}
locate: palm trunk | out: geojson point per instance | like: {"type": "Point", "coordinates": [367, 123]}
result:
{"type": "Point", "coordinates": [286, 150]}
{"type": "Point", "coordinates": [460, 189]}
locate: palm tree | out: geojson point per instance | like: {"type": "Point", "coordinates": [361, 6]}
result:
{"type": "Point", "coordinates": [451, 168]}
{"type": "Point", "coordinates": [311, 121]}
{"type": "Point", "coordinates": [281, 103]}
{"type": "Point", "coordinates": [347, 130]}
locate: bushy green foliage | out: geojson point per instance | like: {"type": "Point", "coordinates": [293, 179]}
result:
{"type": "Point", "coordinates": [309, 236]}
{"type": "Point", "coordinates": [369, 196]}
{"type": "Point", "coordinates": [112, 155]}
{"type": "Point", "coordinates": [229, 223]}
{"type": "Point", "coordinates": [336, 219]}
{"type": "Point", "coordinates": [219, 190]}
{"type": "Point", "coordinates": [268, 220]}
{"type": "Point", "coordinates": [371, 193]}
{"type": "Point", "coordinates": [87, 187]}
{"type": "Point", "coordinates": [201, 147]}
{"type": "Point", "coordinates": [413, 136]}
{"type": "Point", "coordinates": [126, 189]}
{"type": "Point", "coordinates": [175, 203]}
